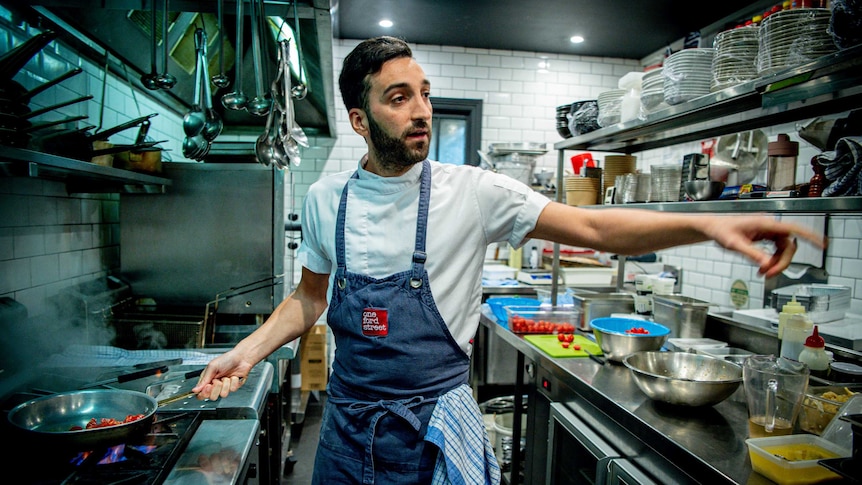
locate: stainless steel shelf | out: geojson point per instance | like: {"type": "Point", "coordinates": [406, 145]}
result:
{"type": "Point", "coordinates": [818, 205]}
{"type": "Point", "coordinates": [831, 84]}
{"type": "Point", "coordinates": [80, 177]}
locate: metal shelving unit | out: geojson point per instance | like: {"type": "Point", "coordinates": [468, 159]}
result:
{"type": "Point", "coordinates": [80, 177]}
{"type": "Point", "coordinates": [829, 85]}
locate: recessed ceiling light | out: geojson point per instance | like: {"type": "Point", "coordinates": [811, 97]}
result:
{"type": "Point", "coordinates": [576, 39]}
{"type": "Point", "coordinates": [385, 23]}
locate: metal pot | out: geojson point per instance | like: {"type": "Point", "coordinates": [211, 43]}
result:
{"type": "Point", "coordinates": [50, 420]}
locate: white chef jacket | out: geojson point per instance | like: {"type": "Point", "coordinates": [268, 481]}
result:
{"type": "Point", "coordinates": [469, 209]}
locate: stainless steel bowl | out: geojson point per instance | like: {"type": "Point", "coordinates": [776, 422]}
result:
{"type": "Point", "coordinates": [616, 344]}
{"type": "Point", "coordinates": [704, 189]}
{"type": "Point", "coordinates": [683, 378]}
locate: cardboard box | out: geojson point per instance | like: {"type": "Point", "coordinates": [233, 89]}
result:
{"type": "Point", "coordinates": [314, 364]}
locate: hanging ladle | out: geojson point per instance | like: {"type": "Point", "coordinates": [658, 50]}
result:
{"type": "Point", "coordinates": [221, 80]}
{"type": "Point", "coordinates": [300, 90]}
{"type": "Point", "coordinates": [166, 80]}
{"type": "Point", "coordinates": [195, 119]}
{"type": "Point", "coordinates": [290, 125]}
{"type": "Point", "coordinates": [236, 100]}
{"type": "Point", "coordinates": [151, 80]}
{"type": "Point", "coordinates": [213, 125]}
{"type": "Point", "coordinates": [260, 104]}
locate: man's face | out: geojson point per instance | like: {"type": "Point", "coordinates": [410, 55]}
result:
{"type": "Point", "coordinates": [399, 115]}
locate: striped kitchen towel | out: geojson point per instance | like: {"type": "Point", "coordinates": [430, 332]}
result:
{"type": "Point", "coordinates": [466, 455]}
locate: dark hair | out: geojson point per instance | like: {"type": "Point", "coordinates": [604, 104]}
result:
{"type": "Point", "coordinates": [365, 59]}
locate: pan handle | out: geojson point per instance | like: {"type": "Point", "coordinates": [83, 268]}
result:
{"type": "Point", "coordinates": [41, 111]}
{"type": "Point", "coordinates": [103, 135]}
{"type": "Point", "coordinates": [38, 89]}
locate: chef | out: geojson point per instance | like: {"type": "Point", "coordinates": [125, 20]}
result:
{"type": "Point", "coordinates": [394, 250]}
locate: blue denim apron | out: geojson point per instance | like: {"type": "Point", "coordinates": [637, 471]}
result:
{"type": "Point", "coordinates": [394, 356]}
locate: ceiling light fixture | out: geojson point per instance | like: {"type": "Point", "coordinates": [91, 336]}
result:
{"type": "Point", "coordinates": [576, 39]}
{"type": "Point", "coordinates": [385, 23]}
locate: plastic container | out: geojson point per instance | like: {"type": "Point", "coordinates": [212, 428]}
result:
{"type": "Point", "coordinates": [792, 459]}
{"type": "Point", "coordinates": [814, 354]}
{"type": "Point", "coordinates": [781, 164]}
{"type": "Point", "coordinates": [821, 405]}
{"type": "Point", "coordinates": [543, 320]}
{"type": "Point", "coordinates": [498, 304]}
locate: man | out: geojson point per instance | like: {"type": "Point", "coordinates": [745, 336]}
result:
{"type": "Point", "coordinates": [400, 243]}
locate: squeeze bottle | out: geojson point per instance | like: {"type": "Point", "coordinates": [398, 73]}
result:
{"type": "Point", "coordinates": [790, 308]}
{"type": "Point", "coordinates": [797, 330]}
{"type": "Point", "coordinates": [814, 354]}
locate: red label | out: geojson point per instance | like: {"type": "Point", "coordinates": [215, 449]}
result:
{"type": "Point", "coordinates": [375, 322]}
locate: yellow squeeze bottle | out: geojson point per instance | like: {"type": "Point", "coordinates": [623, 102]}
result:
{"type": "Point", "coordinates": [789, 309]}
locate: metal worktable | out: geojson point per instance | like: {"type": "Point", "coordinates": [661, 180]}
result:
{"type": "Point", "coordinates": [706, 445]}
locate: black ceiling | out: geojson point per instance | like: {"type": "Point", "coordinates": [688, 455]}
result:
{"type": "Point", "coordinates": [630, 29]}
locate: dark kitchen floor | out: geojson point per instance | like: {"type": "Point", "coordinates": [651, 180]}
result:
{"type": "Point", "coordinates": [299, 455]}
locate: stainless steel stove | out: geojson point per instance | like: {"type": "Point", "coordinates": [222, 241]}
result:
{"type": "Point", "coordinates": [190, 441]}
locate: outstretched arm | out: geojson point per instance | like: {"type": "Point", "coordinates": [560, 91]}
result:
{"type": "Point", "coordinates": [296, 314]}
{"type": "Point", "coordinates": [631, 231]}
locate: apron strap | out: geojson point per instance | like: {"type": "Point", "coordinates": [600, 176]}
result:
{"type": "Point", "coordinates": [399, 408]}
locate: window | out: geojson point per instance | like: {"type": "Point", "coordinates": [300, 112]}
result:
{"type": "Point", "coordinates": [456, 131]}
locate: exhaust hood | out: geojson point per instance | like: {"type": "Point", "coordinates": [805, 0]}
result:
{"type": "Point", "coordinates": [123, 29]}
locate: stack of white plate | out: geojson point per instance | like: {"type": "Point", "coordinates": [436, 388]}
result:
{"type": "Point", "coordinates": [793, 37]}
{"type": "Point", "coordinates": [734, 60]}
{"type": "Point", "coordinates": [652, 90]}
{"type": "Point", "coordinates": [610, 103]}
{"type": "Point", "coordinates": [687, 75]}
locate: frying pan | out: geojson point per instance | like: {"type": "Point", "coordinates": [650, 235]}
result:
{"type": "Point", "coordinates": [12, 90]}
{"type": "Point", "coordinates": [48, 421]}
{"type": "Point", "coordinates": [12, 61]}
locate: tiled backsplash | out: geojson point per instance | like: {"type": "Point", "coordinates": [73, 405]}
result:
{"type": "Point", "coordinates": [50, 240]}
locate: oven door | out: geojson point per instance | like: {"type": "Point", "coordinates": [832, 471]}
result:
{"type": "Point", "coordinates": [576, 453]}
{"type": "Point", "coordinates": [621, 471]}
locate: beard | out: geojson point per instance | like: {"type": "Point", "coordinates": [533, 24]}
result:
{"type": "Point", "coordinates": [392, 152]}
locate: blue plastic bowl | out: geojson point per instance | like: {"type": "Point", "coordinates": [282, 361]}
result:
{"type": "Point", "coordinates": [498, 304]}
{"type": "Point", "coordinates": [616, 344]}
{"type": "Point", "coordinates": [619, 325]}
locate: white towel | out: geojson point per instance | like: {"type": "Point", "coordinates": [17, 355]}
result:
{"type": "Point", "coordinates": [466, 455]}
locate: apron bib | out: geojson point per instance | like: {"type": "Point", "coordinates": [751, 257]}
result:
{"type": "Point", "coordinates": [394, 355]}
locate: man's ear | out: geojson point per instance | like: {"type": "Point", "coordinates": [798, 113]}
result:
{"type": "Point", "coordinates": [358, 121]}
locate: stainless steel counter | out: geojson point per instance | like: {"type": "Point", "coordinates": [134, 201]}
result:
{"type": "Point", "coordinates": [706, 444]}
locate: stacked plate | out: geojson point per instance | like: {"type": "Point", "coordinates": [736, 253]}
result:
{"type": "Point", "coordinates": [610, 103]}
{"type": "Point", "coordinates": [665, 180]}
{"type": "Point", "coordinates": [735, 55]}
{"type": "Point", "coordinates": [687, 75]}
{"type": "Point", "coordinates": [793, 37]}
{"type": "Point", "coordinates": [617, 166]}
{"type": "Point", "coordinates": [563, 120]}
{"type": "Point", "coordinates": [652, 90]}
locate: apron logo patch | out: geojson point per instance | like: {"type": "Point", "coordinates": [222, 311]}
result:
{"type": "Point", "coordinates": [375, 322]}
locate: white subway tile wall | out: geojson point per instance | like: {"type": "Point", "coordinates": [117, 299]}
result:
{"type": "Point", "coordinates": [50, 240]}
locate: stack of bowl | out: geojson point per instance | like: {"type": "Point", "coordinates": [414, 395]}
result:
{"type": "Point", "coordinates": [793, 37]}
{"type": "Point", "coordinates": [617, 165]}
{"type": "Point", "coordinates": [610, 107]}
{"type": "Point", "coordinates": [581, 190]}
{"type": "Point", "coordinates": [619, 337]}
{"type": "Point", "coordinates": [584, 117]}
{"type": "Point", "coordinates": [652, 91]}
{"type": "Point", "coordinates": [734, 60]}
{"type": "Point", "coordinates": [687, 75]}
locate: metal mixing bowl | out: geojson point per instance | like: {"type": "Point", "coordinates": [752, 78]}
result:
{"type": "Point", "coordinates": [704, 189]}
{"type": "Point", "coordinates": [683, 378]}
{"type": "Point", "coordinates": [616, 343]}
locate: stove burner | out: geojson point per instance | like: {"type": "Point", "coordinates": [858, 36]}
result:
{"type": "Point", "coordinates": [148, 460]}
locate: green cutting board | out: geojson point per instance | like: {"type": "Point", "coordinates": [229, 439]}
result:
{"type": "Point", "coordinates": [552, 346]}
